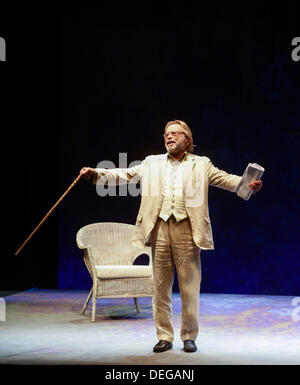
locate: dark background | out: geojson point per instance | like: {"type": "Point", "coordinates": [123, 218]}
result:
{"type": "Point", "coordinates": [83, 83]}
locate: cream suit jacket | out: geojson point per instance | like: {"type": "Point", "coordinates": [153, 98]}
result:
{"type": "Point", "coordinates": [198, 174]}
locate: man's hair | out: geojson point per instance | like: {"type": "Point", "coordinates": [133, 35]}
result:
{"type": "Point", "coordinates": [187, 131]}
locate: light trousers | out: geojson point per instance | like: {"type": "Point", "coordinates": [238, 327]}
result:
{"type": "Point", "coordinates": [173, 246]}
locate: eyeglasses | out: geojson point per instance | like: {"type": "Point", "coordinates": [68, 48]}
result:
{"type": "Point", "coordinates": [174, 134]}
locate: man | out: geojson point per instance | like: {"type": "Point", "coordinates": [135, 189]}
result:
{"type": "Point", "coordinates": [174, 219]}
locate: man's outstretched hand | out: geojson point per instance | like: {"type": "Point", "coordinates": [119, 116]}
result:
{"type": "Point", "coordinates": [255, 186]}
{"type": "Point", "coordinates": [87, 173]}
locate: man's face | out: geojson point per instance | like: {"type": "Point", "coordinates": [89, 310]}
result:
{"type": "Point", "coordinates": [175, 139]}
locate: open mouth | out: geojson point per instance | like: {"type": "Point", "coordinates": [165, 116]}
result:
{"type": "Point", "coordinates": [170, 142]}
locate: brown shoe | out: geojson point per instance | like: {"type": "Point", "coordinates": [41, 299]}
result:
{"type": "Point", "coordinates": [189, 346]}
{"type": "Point", "coordinates": [162, 346]}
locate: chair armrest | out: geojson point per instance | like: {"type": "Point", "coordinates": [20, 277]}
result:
{"type": "Point", "coordinates": [79, 244]}
{"type": "Point", "coordinates": [141, 253]}
{"type": "Point", "coordinates": [89, 261]}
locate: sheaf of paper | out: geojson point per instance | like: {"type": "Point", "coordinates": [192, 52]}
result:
{"type": "Point", "coordinates": [253, 172]}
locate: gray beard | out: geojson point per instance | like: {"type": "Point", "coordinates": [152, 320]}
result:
{"type": "Point", "coordinates": [177, 149]}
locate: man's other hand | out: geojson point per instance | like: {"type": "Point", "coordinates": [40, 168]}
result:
{"type": "Point", "coordinates": [255, 186]}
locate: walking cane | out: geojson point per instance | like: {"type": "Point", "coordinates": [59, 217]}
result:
{"type": "Point", "coordinates": [47, 215]}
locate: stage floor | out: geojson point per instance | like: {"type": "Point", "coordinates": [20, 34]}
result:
{"type": "Point", "coordinates": [46, 327]}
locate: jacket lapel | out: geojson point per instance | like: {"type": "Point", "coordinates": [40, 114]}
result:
{"type": "Point", "coordinates": [163, 166]}
{"type": "Point", "coordinates": [188, 166]}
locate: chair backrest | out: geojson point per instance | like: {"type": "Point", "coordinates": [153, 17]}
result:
{"type": "Point", "coordinates": [110, 243]}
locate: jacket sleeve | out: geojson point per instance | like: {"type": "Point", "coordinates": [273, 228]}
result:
{"type": "Point", "coordinates": [222, 179]}
{"type": "Point", "coordinates": [118, 176]}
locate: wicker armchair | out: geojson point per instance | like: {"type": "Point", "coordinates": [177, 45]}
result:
{"type": "Point", "coordinates": [109, 255]}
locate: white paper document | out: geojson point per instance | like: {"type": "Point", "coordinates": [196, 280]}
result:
{"type": "Point", "coordinates": [253, 172]}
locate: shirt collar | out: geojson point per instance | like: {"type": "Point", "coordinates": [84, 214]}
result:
{"type": "Point", "coordinates": [184, 156]}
